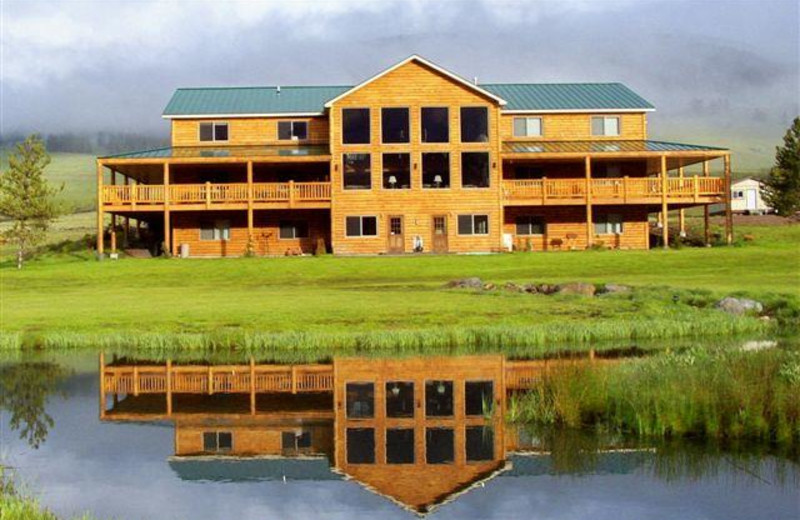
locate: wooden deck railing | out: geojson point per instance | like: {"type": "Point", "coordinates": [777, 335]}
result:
{"type": "Point", "coordinates": [217, 193]}
{"type": "Point", "coordinates": [621, 189]}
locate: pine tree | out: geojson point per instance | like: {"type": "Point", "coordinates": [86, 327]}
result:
{"type": "Point", "coordinates": [782, 187]}
{"type": "Point", "coordinates": [26, 198]}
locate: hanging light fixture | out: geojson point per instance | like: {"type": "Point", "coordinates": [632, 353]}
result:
{"type": "Point", "coordinates": [395, 390]}
{"type": "Point", "coordinates": [440, 388]}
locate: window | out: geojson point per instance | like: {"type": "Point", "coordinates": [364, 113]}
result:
{"type": "Point", "coordinates": [438, 398]}
{"type": "Point", "coordinates": [473, 224]}
{"type": "Point", "coordinates": [355, 125]}
{"type": "Point", "coordinates": [528, 225]}
{"type": "Point", "coordinates": [400, 446]}
{"type": "Point", "coordinates": [738, 194]}
{"type": "Point", "coordinates": [605, 125]}
{"type": "Point", "coordinates": [435, 125]}
{"type": "Point", "coordinates": [294, 441]}
{"type": "Point", "coordinates": [361, 226]}
{"type": "Point", "coordinates": [217, 442]}
{"type": "Point", "coordinates": [480, 443]}
{"type": "Point", "coordinates": [611, 224]}
{"type": "Point", "coordinates": [439, 446]}
{"type": "Point", "coordinates": [215, 230]}
{"type": "Point", "coordinates": [357, 171]}
{"type": "Point", "coordinates": [399, 399]}
{"type": "Point", "coordinates": [213, 131]}
{"type": "Point", "coordinates": [360, 445]}
{"type": "Point", "coordinates": [396, 171]}
{"type": "Point", "coordinates": [474, 125]}
{"type": "Point", "coordinates": [360, 400]}
{"type": "Point", "coordinates": [394, 125]}
{"type": "Point", "coordinates": [524, 171]}
{"type": "Point", "coordinates": [474, 170]}
{"type": "Point", "coordinates": [436, 170]}
{"type": "Point", "coordinates": [527, 127]}
{"type": "Point", "coordinates": [479, 397]}
{"type": "Point", "coordinates": [293, 229]}
{"type": "Point", "coordinates": [292, 130]}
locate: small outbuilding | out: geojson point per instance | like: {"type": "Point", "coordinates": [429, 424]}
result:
{"type": "Point", "coordinates": [746, 197]}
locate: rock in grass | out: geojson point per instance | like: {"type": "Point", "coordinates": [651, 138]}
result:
{"type": "Point", "coordinates": [584, 289]}
{"type": "Point", "coordinates": [615, 288]}
{"type": "Point", "coordinates": [489, 287]}
{"type": "Point", "coordinates": [511, 286]}
{"type": "Point", "coordinates": [465, 283]}
{"type": "Point", "coordinates": [739, 306]}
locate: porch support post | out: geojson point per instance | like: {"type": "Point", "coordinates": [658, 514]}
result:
{"type": "Point", "coordinates": [664, 214]}
{"type": "Point", "coordinates": [589, 227]}
{"type": "Point", "coordinates": [728, 210]}
{"type": "Point", "coordinates": [252, 386]}
{"type": "Point", "coordinates": [167, 230]}
{"type": "Point", "coordinates": [249, 206]}
{"type": "Point", "coordinates": [706, 212]}
{"type": "Point", "coordinates": [102, 384]}
{"type": "Point", "coordinates": [99, 210]}
{"type": "Point", "coordinates": [169, 386]}
{"type": "Point", "coordinates": [681, 212]}
{"type": "Point", "coordinates": [126, 230]}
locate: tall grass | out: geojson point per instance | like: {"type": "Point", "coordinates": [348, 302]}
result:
{"type": "Point", "coordinates": [17, 506]}
{"type": "Point", "coordinates": [718, 393]}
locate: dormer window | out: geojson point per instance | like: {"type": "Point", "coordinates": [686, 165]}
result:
{"type": "Point", "coordinates": [213, 131]}
{"type": "Point", "coordinates": [292, 130]}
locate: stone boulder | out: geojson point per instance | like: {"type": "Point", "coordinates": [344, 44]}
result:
{"type": "Point", "coordinates": [465, 283]}
{"type": "Point", "coordinates": [616, 288]}
{"type": "Point", "coordinates": [739, 306]}
{"type": "Point", "coordinates": [584, 289]}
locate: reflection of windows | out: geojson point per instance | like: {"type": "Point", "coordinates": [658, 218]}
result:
{"type": "Point", "coordinates": [439, 398]}
{"type": "Point", "coordinates": [527, 127]}
{"type": "Point", "coordinates": [361, 226]}
{"type": "Point", "coordinates": [360, 445]}
{"type": "Point", "coordinates": [396, 171]}
{"type": "Point", "coordinates": [435, 125]}
{"type": "Point", "coordinates": [479, 397]}
{"type": "Point", "coordinates": [360, 400]}
{"type": "Point", "coordinates": [610, 224]}
{"type": "Point", "coordinates": [293, 229]}
{"type": "Point", "coordinates": [473, 225]}
{"type": "Point", "coordinates": [394, 125]}
{"type": "Point", "coordinates": [292, 130]}
{"type": "Point", "coordinates": [480, 443]}
{"type": "Point", "coordinates": [294, 441]}
{"type": "Point", "coordinates": [213, 131]}
{"type": "Point", "coordinates": [605, 125]}
{"type": "Point", "coordinates": [474, 170]}
{"type": "Point", "coordinates": [474, 124]}
{"type": "Point", "coordinates": [355, 125]}
{"type": "Point", "coordinates": [436, 170]}
{"type": "Point", "coordinates": [217, 442]}
{"type": "Point", "coordinates": [528, 225]}
{"type": "Point", "coordinates": [439, 446]}
{"type": "Point", "coordinates": [357, 171]}
{"type": "Point", "coordinates": [400, 446]}
{"type": "Point", "coordinates": [215, 230]}
{"type": "Point", "coordinates": [399, 399]}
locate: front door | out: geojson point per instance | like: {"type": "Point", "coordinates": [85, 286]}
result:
{"type": "Point", "coordinates": [440, 234]}
{"type": "Point", "coordinates": [752, 201]}
{"type": "Point", "coordinates": [396, 240]}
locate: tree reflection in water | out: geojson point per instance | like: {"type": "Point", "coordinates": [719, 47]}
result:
{"type": "Point", "coordinates": [24, 391]}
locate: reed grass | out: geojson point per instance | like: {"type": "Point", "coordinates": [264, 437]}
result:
{"type": "Point", "coordinates": [15, 505]}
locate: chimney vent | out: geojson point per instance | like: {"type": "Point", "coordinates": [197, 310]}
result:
{"type": "Point", "coordinates": [475, 80]}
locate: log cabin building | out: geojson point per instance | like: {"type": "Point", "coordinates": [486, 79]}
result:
{"type": "Point", "coordinates": [413, 159]}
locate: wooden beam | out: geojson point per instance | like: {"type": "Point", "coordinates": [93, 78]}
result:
{"type": "Point", "coordinates": [102, 384]}
{"type": "Point", "coordinates": [167, 231]}
{"type": "Point", "coordinates": [706, 211]}
{"type": "Point", "coordinates": [252, 386]}
{"type": "Point", "coordinates": [681, 212]}
{"type": "Point", "coordinates": [250, 206]}
{"type": "Point", "coordinates": [169, 387]}
{"type": "Point", "coordinates": [99, 210]}
{"type": "Point", "coordinates": [664, 214]}
{"type": "Point", "coordinates": [589, 226]}
{"type": "Point", "coordinates": [728, 209]}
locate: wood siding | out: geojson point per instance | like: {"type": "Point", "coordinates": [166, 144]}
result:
{"type": "Point", "coordinates": [247, 131]}
{"type": "Point", "coordinates": [249, 439]}
{"type": "Point", "coordinates": [576, 127]}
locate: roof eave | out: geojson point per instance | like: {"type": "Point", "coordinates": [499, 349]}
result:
{"type": "Point", "coordinates": [579, 111]}
{"type": "Point", "coordinates": [266, 114]}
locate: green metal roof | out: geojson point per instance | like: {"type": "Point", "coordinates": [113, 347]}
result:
{"type": "Point", "coordinates": [170, 152]}
{"type": "Point", "coordinates": [311, 100]}
{"type": "Point", "coordinates": [593, 147]}
{"type": "Point", "coordinates": [233, 469]}
{"type": "Point", "coordinates": [568, 96]}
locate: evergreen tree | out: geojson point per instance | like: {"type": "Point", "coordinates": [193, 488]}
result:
{"type": "Point", "coordinates": [782, 187]}
{"type": "Point", "coordinates": [26, 198]}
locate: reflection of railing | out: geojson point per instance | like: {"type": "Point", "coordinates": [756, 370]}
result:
{"type": "Point", "coordinates": [216, 193]}
{"type": "Point", "coordinates": [230, 379]}
{"type": "Point", "coordinates": [620, 189]}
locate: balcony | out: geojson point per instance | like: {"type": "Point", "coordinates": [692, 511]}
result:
{"type": "Point", "coordinates": [277, 195]}
{"type": "Point", "coordinates": [623, 190]}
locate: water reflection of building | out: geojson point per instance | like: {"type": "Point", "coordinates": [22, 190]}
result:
{"type": "Point", "coordinates": [416, 430]}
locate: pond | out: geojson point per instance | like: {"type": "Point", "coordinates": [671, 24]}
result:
{"type": "Point", "coordinates": [348, 437]}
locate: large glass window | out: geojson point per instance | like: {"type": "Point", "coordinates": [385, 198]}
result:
{"type": "Point", "coordinates": [217, 442]}
{"type": "Point", "coordinates": [396, 171]}
{"type": "Point", "coordinates": [478, 397]}
{"type": "Point", "coordinates": [361, 226]}
{"type": "Point", "coordinates": [357, 171]}
{"type": "Point", "coordinates": [527, 127]}
{"type": "Point", "coordinates": [439, 446]}
{"type": "Point", "coordinates": [473, 224]}
{"type": "Point", "coordinates": [610, 224]}
{"type": "Point", "coordinates": [474, 124]}
{"type": "Point", "coordinates": [474, 170]}
{"type": "Point", "coordinates": [399, 399]}
{"type": "Point", "coordinates": [355, 125]}
{"type": "Point", "coordinates": [400, 446]}
{"type": "Point", "coordinates": [292, 130]}
{"type": "Point", "coordinates": [439, 398]}
{"type": "Point", "coordinates": [394, 125]}
{"type": "Point", "coordinates": [293, 229]}
{"type": "Point", "coordinates": [436, 170]}
{"type": "Point", "coordinates": [295, 441]}
{"type": "Point", "coordinates": [360, 445]}
{"type": "Point", "coordinates": [480, 443]}
{"type": "Point", "coordinates": [215, 230]}
{"type": "Point", "coordinates": [605, 125]}
{"type": "Point", "coordinates": [529, 225]}
{"type": "Point", "coordinates": [213, 131]}
{"type": "Point", "coordinates": [435, 125]}
{"type": "Point", "coordinates": [360, 400]}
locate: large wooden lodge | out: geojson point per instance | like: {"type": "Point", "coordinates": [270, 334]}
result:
{"type": "Point", "coordinates": [414, 159]}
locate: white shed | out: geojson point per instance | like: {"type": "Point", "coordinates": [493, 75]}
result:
{"type": "Point", "coordinates": [746, 197]}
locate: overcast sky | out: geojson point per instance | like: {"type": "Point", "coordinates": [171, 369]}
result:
{"type": "Point", "coordinates": [720, 72]}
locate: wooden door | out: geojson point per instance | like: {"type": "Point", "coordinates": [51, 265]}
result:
{"type": "Point", "coordinates": [396, 236]}
{"type": "Point", "coordinates": [439, 234]}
